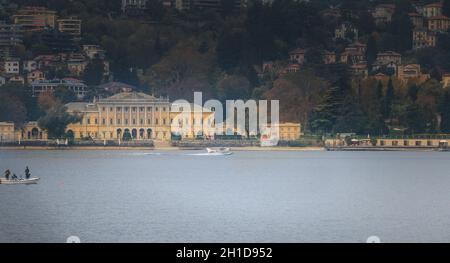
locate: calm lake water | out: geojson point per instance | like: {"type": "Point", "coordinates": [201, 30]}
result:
{"type": "Point", "coordinates": [184, 196]}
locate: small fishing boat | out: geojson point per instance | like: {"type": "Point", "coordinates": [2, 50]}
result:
{"type": "Point", "coordinates": [219, 151]}
{"type": "Point", "coordinates": [32, 180]}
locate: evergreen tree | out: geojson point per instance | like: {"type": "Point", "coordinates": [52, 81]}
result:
{"type": "Point", "coordinates": [413, 90]}
{"type": "Point", "coordinates": [446, 8]}
{"type": "Point", "coordinates": [93, 74]}
{"type": "Point", "coordinates": [350, 117]}
{"type": "Point", "coordinates": [324, 115]}
{"type": "Point", "coordinates": [372, 50]}
{"type": "Point", "coordinates": [401, 28]}
{"type": "Point", "coordinates": [389, 99]}
{"type": "Point", "coordinates": [445, 112]}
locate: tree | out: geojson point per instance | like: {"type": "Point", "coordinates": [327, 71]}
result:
{"type": "Point", "coordinates": [64, 94]}
{"type": "Point", "coordinates": [445, 112]}
{"type": "Point", "coordinates": [372, 50]}
{"type": "Point", "coordinates": [416, 119]}
{"type": "Point", "coordinates": [46, 101]}
{"type": "Point", "coordinates": [299, 93]}
{"type": "Point", "coordinates": [350, 117]}
{"type": "Point", "coordinates": [93, 74]}
{"type": "Point", "coordinates": [389, 99]}
{"type": "Point", "coordinates": [325, 113]}
{"type": "Point", "coordinates": [401, 29]}
{"type": "Point", "coordinates": [56, 120]}
{"type": "Point", "coordinates": [12, 110]}
{"type": "Point", "coordinates": [446, 8]}
{"type": "Point", "coordinates": [233, 87]}
{"type": "Point", "coordinates": [413, 91]}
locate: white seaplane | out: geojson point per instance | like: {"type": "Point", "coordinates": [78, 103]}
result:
{"type": "Point", "coordinates": [219, 151]}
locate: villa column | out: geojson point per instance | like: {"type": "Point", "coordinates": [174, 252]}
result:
{"type": "Point", "coordinates": [146, 125]}
{"type": "Point", "coordinates": [153, 120]}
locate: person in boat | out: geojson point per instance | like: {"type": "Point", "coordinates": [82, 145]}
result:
{"type": "Point", "coordinates": [27, 173]}
{"type": "Point", "coordinates": [14, 177]}
{"type": "Point", "coordinates": [7, 174]}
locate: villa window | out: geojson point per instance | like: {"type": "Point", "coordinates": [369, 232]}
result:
{"type": "Point", "coordinates": [118, 121]}
{"type": "Point", "coordinates": [104, 121]}
{"type": "Point", "coordinates": [118, 108]}
{"type": "Point", "coordinates": [88, 121]}
{"type": "Point", "coordinates": [418, 143]}
{"type": "Point", "coordinates": [156, 109]}
{"type": "Point", "coordinates": [134, 121]}
{"type": "Point", "coordinates": [142, 121]}
{"type": "Point", "coordinates": [164, 121]}
{"type": "Point", "coordinates": [96, 121]}
{"type": "Point", "coordinates": [134, 109]}
{"type": "Point", "coordinates": [110, 121]}
{"type": "Point", "coordinates": [126, 109]}
{"type": "Point", "coordinates": [149, 121]}
{"type": "Point", "coordinates": [149, 108]}
{"type": "Point", "coordinates": [126, 121]}
{"type": "Point", "coordinates": [157, 121]}
{"type": "Point", "coordinates": [164, 109]}
{"type": "Point", "coordinates": [141, 109]}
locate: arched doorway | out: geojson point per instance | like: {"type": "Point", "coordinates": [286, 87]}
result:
{"type": "Point", "coordinates": [35, 133]}
{"type": "Point", "coordinates": [141, 134]}
{"type": "Point", "coordinates": [126, 135]}
{"type": "Point", "coordinates": [134, 134]}
{"type": "Point", "coordinates": [70, 135]}
{"type": "Point", "coordinates": [149, 133]}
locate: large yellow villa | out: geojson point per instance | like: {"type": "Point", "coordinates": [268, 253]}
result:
{"type": "Point", "coordinates": [134, 114]}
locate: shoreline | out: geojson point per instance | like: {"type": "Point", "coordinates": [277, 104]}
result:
{"type": "Point", "coordinates": [101, 148]}
{"type": "Point", "coordinates": [236, 149]}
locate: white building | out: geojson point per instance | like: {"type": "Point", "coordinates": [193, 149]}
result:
{"type": "Point", "coordinates": [93, 51]}
{"type": "Point", "coordinates": [12, 66]}
{"type": "Point", "coordinates": [133, 4]}
{"type": "Point", "coordinates": [43, 86]}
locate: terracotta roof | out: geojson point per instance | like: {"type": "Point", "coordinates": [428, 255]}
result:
{"type": "Point", "coordinates": [388, 53]}
{"type": "Point", "coordinates": [433, 5]}
{"type": "Point", "coordinates": [297, 50]}
{"type": "Point", "coordinates": [414, 14]}
{"type": "Point", "coordinates": [439, 18]}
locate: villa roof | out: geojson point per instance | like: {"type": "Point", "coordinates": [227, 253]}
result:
{"type": "Point", "coordinates": [131, 96]}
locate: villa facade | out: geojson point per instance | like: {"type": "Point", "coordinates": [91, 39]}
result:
{"type": "Point", "coordinates": [128, 115]}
